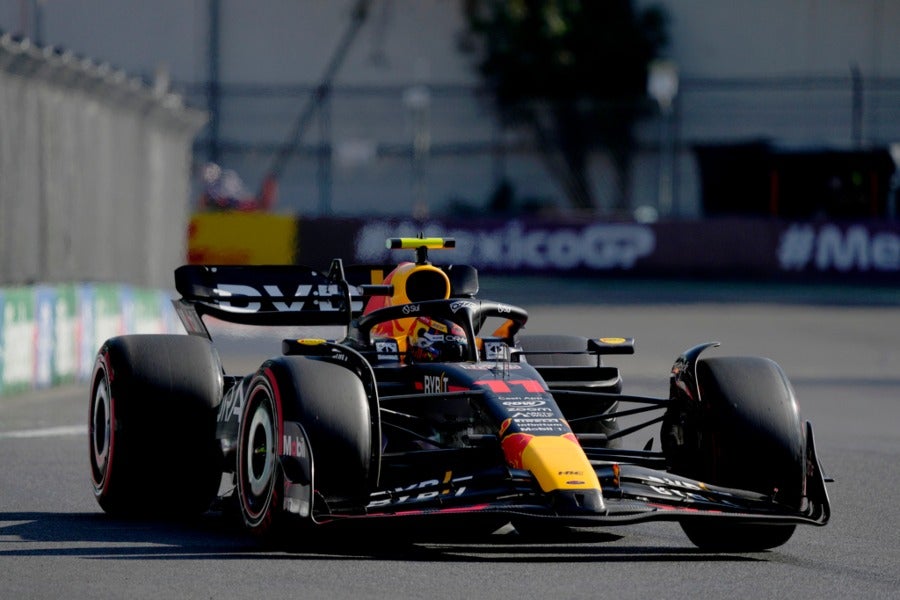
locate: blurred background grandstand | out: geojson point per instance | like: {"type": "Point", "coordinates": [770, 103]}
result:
{"type": "Point", "coordinates": [749, 139]}
{"type": "Point", "coordinates": [362, 108]}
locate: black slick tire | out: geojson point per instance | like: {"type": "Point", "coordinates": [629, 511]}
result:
{"type": "Point", "coordinates": [750, 437]}
{"type": "Point", "coordinates": [329, 403]}
{"type": "Point", "coordinates": [151, 425]}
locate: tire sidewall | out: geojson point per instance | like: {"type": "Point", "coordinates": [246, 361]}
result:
{"type": "Point", "coordinates": [102, 466]}
{"type": "Point", "coordinates": [758, 443]}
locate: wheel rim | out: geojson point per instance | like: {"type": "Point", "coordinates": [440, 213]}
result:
{"type": "Point", "coordinates": [101, 431]}
{"type": "Point", "coordinates": [258, 461]}
{"type": "Point", "coordinates": [260, 458]}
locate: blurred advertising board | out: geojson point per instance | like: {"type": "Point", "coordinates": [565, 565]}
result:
{"type": "Point", "coordinates": [241, 238]}
{"type": "Point", "coordinates": [722, 247]}
{"type": "Point", "coordinates": [17, 339]}
{"type": "Point", "coordinates": [50, 334]}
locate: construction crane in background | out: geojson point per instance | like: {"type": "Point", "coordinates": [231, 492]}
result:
{"type": "Point", "coordinates": [319, 95]}
{"type": "Point", "coordinates": [268, 188]}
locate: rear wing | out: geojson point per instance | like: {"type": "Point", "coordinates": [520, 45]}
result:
{"type": "Point", "coordinates": [294, 295]}
{"type": "Point", "coordinates": [265, 295]}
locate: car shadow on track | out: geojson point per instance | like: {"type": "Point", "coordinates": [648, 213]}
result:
{"type": "Point", "coordinates": [98, 536]}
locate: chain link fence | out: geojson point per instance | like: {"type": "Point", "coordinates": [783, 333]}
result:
{"type": "Point", "coordinates": [397, 150]}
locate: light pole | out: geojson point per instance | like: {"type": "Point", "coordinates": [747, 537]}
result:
{"type": "Point", "coordinates": [662, 86]}
{"type": "Point", "coordinates": [417, 100]}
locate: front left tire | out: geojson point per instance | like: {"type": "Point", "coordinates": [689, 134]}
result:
{"type": "Point", "coordinates": [746, 433]}
{"type": "Point", "coordinates": [327, 405]}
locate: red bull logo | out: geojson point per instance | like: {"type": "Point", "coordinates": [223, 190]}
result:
{"type": "Point", "coordinates": [556, 462]}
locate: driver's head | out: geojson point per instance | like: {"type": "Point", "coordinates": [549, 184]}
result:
{"type": "Point", "coordinates": [433, 340]}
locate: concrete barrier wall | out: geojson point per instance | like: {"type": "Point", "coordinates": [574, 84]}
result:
{"type": "Point", "coordinates": [95, 171]}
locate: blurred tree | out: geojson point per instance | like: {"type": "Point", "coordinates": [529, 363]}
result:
{"type": "Point", "coordinates": [574, 73]}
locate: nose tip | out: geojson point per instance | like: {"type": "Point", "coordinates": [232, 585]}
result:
{"type": "Point", "coordinates": [579, 501]}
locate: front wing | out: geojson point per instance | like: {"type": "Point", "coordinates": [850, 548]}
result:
{"type": "Point", "coordinates": [631, 494]}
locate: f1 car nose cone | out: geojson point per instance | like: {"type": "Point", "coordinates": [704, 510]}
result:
{"type": "Point", "coordinates": [568, 502]}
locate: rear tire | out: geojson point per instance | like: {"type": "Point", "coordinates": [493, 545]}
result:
{"type": "Point", "coordinates": [151, 423]}
{"type": "Point", "coordinates": [746, 435]}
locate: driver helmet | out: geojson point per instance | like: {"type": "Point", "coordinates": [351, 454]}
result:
{"type": "Point", "coordinates": [434, 340]}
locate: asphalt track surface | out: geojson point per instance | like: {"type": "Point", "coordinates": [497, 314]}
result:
{"type": "Point", "coordinates": [840, 348]}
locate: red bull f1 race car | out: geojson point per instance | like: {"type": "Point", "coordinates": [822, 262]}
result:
{"type": "Point", "coordinates": [435, 403]}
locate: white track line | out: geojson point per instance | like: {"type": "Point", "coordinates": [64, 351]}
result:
{"type": "Point", "coordinates": [45, 433]}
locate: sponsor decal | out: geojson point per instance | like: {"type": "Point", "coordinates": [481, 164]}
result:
{"type": "Point", "coordinates": [496, 351]}
{"type": "Point", "coordinates": [460, 304]}
{"type": "Point", "coordinates": [435, 384]}
{"type": "Point", "coordinates": [295, 446]}
{"type": "Point", "coordinates": [249, 299]}
{"type": "Point", "coordinates": [409, 309]}
{"type": "Point", "coordinates": [524, 403]}
{"type": "Point", "coordinates": [423, 490]}
{"type": "Point", "coordinates": [677, 488]}
{"type": "Point", "coordinates": [536, 413]}
{"type": "Point", "coordinates": [675, 483]}
{"type": "Point", "coordinates": [541, 425]}
{"type": "Point", "coordinates": [487, 367]}
{"type": "Point", "coordinates": [387, 347]}
{"type": "Point", "coordinates": [232, 404]}
{"type": "Point", "coordinates": [341, 356]}
{"type": "Point", "coordinates": [825, 248]}
{"type": "Point", "coordinates": [514, 446]}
